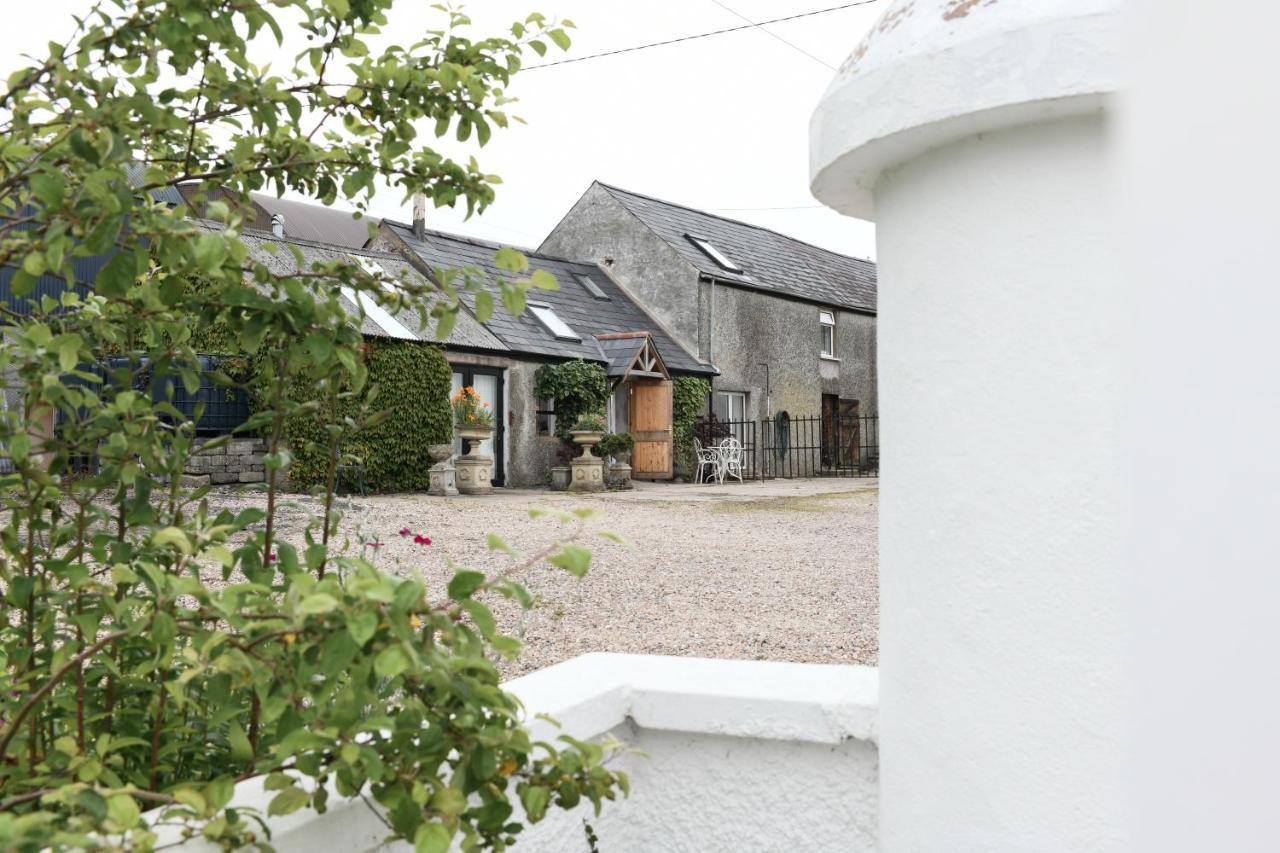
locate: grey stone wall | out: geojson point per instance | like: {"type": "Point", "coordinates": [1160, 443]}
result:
{"type": "Point", "coordinates": [236, 461]}
{"type": "Point", "coordinates": [747, 329]}
{"type": "Point", "coordinates": [598, 228]}
{"type": "Point", "coordinates": [531, 455]}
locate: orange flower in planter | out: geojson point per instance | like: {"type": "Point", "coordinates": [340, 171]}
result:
{"type": "Point", "coordinates": [469, 410]}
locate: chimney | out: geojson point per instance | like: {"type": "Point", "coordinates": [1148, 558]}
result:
{"type": "Point", "coordinates": [277, 225]}
{"type": "Point", "coordinates": [419, 215]}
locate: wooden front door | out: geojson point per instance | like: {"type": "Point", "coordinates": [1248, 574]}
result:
{"type": "Point", "coordinates": [651, 429]}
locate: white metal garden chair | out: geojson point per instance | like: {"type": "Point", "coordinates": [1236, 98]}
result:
{"type": "Point", "coordinates": [708, 458]}
{"type": "Point", "coordinates": [731, 461]}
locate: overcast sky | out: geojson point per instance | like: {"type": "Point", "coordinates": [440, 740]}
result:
{"type": "Point", "coordinates": [719, 123]}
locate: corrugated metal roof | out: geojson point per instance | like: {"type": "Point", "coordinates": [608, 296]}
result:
{"type": "Point", "coordinates": [467, 332]}
{"type": "Point", "coordinates": [586, 314]}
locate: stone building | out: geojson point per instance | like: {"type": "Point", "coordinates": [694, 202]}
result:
{"type": "Point", "coordinates": [788, 326]}
{"type": "Point", "coordinates": [590, 317]}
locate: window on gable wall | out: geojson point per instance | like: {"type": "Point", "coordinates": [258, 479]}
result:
{"type": "Point", "coordinates": [827, 320]}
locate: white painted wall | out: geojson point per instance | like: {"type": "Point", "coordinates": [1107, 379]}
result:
{"type": "Point", "coordinates": [975, 134]}
{"type": "Point", "coordinates": [1002, 496]}
{"type": "Point", "coordinates": [740, 756]}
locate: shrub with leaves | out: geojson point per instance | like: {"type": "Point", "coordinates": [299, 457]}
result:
{"type": "Point", "coordinates": [407, 394]}
{"type": "Point", "coordinates": [576, 387]}
{"type": "Point", "coordinates": [689, 400]}
{"type": "Point", "coordinates": [154, 649]}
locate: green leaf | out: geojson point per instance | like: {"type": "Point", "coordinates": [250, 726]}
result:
{"type": "Point", "coordinates": [482, 616]}
{"type": "Point", "coordinates": [534, 799]}
{"type": "Point", "coordinates": [543, 280]}
{"type": "Point", "coordinates": [449, 802]}
{"type": "Point", "coordinates": [497, 543]}
{"type": "Point", "coordinates": [174, 537]}
{"type": "Point", "coordinates": [211, 250]}
{"type": "Point", "coordinates": [391, 661]}
{"type": "Point", "coordinates": [432, 838]}
{"type": "Point", "coordinates": [241, 748]}
{"type": "Point", "coordinates": [484, 306]}
{"type": "Point", "coordinates": [317, 603]}
{"type": "Point", "coordinates": [123, 811]}
{"type": "Point", "coordinates": [362, 627]}
{"type": "Point", "coordinates": [119, 274]}
{"type": "Point", "coordinates": [464, 583]}
{"type": "Point", "coordinates": [49, 187]}
{"type": "Point", "coordinates": [574, 559]}
{"type": "Point", "coordinates": [511, 260]}
{"type": "Point", "coordinates": [288, 801]}
{"type": "Point", "coordinates": [560, 37]}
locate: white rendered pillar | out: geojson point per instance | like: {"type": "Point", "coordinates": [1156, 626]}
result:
{"type": "Point", "coordinates": [978, 144]}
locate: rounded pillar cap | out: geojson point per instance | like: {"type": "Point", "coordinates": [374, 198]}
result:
{"type": "Point", "coordinates": [934, 71]}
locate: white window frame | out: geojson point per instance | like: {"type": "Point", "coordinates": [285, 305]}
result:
{"type": "Point", "coordinates": [827, 324]}
{"type": "Point", "coordinates": [550, 320]}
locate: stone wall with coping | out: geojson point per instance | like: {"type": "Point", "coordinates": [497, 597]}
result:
{"type": "Point", "coordinates": [239, 460]}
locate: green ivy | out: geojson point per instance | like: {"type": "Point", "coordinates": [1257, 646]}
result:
{"type": "Point", "coordinates": [689, 399]}
{"type": "Point", "coordinates": [408, 396]}
{"type": "Point", "coordinates": [577, 388]}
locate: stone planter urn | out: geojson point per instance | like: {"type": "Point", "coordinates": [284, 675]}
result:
{"type": "Point", "coordinates": [442, 476]}
{"type": "Point", "coordinates": [475, 471]}
{"type": "Point", "coordinates": [588, 470]}
{"type": "Point", "coordinates": [561, 476]}
{"type": "Point", "coordinates": [618, 475]}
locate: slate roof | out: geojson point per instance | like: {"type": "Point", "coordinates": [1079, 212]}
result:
{"type": "Point", "coordinates": [621, 353]}
{"type": "Point", "coordinates": [771, 261]}
{"type": "Point", "coordinates": [585, 314]}
{"type": "Point", "coordinates": [467, 332]}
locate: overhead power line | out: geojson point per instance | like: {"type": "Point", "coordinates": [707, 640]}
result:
{"type": "Point", "coordinates": [696, 36]}
{"type": "Point", "coordinates": [774, 35]}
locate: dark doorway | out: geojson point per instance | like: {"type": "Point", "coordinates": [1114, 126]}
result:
{"type": "Point", "coordinates": [830, 430]}
{"type": "Point", "coordinates": [489, 382]}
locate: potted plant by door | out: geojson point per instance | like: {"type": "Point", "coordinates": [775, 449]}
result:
{"type": "Point", "coordinates": [617, 446]}
{"type": "Point", "coordinates": [473, 420]}
{"type": "Point", "coordinates": [588, 470]}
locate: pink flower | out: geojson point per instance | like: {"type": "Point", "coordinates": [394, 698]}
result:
{"type": "Point", "coordinates": [421, 539]}
{"type": "Point", "coordinates": [404, 531]}
{"type": "Point", "coordinates": [271, 557]}
{"type": "Point", "coordinates": [375, 543]}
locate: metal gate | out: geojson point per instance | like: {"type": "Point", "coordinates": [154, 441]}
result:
{"type": "Point", "coordinates": [786, 446]}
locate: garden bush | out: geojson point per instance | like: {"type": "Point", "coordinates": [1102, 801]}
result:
{"type": "Point", "coordinates": [401, 411]}
{"type": "Point", "coordinates": [689, 400]}
{"type": "Point", "coordinates": [576, 387]}
{"type": "Point", "coordinates": [156, 649]}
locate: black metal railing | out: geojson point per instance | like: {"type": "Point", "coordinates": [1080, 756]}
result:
{"type": "Point", "coordinates": [803, 446]}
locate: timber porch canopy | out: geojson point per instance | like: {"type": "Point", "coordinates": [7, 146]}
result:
{"type": "Point", "coordinates": [643, 407]}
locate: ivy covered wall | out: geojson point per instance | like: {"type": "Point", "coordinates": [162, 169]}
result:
{"type": "Point", "coordinates": [689, 399]}
{"type": "Point", "coordinates": [412, 382]}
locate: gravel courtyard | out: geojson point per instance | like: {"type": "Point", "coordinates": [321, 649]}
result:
{"type": "Point", "coordinates": [781, 570]}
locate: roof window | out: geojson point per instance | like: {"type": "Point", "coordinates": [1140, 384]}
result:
{"type": "Point", "coordinates": [548, 318]}
{"type": "Point", "coordinates": [714, 254]}
{"type": "Point", "coordinates": [590, 286]}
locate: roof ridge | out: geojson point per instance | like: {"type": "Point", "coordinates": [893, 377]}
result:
{"type": "Point", "coordinates": [461, 238]}
{"type": "Point", "coordinates": [319, 244]}
{"type": "Point", "coordinates": [766, 228]}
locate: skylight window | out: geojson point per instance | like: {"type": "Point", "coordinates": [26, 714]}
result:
{"type": "Point", "coordinates": [381, 317]}
{"type": "Point", "coordinates": [590, 286]}
{"type": "Point", "coordinates": [715, 254]}
{"type": "Point", "coordinates": [552, 321]}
